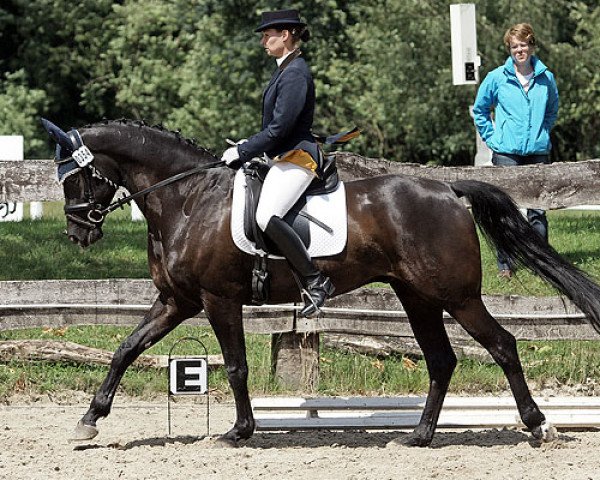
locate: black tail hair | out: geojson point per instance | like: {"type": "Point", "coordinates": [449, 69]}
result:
{"type": "Point", "coordinates": [505, 228]}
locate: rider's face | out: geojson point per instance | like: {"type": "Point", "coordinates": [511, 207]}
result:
{"type": "Point", "coordinates": [273, 41]}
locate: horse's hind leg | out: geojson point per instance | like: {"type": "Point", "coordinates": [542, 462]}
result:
{"type": "Point", "coordinates": [427, 324]}
{"type": "Point", "coordinates": [502, 346]}
{"type": "Point", "coordinates": [225, 317]}
{"type": "Point", "coordinates": [160, 320]}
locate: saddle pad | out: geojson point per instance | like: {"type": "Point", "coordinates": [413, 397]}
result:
{"type": "Point", "coordinates": [329, 209]}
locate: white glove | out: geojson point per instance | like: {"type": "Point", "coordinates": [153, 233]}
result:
{"type": "Point", "coordinates": [239, 142]}
{"type": "Point", "coordinates": [230, 155]}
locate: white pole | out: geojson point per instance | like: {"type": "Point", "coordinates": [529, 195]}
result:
{"type": "Point", "coordinates": [466, 62]}
{"type": "Point", "coordinates": [136, 213]}
{"type": "Point", "coordinates": [36, 210]}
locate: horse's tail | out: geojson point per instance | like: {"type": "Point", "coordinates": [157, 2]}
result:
{"type": "Point", "coordinates": [504, 227]}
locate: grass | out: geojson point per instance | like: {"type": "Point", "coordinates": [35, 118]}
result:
{"type": "Point", "coordinates": [342, 373]}
{"type": "Point", "coordinates": [39, 250]}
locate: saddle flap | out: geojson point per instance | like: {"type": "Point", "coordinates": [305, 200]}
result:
{"type": "Point", "coordinates": [329, 210]}
{"type": "Point", "coordinates": [255, 173]}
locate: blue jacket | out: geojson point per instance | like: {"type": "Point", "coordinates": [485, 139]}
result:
{"type": "Point", "coordinates": [287, 116]}
{"type": "Point", "coordinates": [522, 120]}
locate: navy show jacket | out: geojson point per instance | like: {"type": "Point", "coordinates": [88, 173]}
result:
{"type": "Point", "coordinates": [287, 114]}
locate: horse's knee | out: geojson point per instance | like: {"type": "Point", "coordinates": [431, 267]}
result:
{"type": "Point", "coordinates": [441, 366]}
{"type": "Point", "coordinates": [237, 373]}
{"type": "Point", "coordinates": [126, 353]}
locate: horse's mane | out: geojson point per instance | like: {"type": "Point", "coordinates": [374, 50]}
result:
{"type": "Point", "coordinates": [174, 134]}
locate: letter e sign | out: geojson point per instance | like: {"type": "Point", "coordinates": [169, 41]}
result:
{"type": "Point", "coordinates": [188, 376]}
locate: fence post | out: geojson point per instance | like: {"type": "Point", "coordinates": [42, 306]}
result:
{"type": "Point", "coordinates": [295, 360]}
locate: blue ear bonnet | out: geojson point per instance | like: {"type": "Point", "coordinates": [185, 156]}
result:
{"type": "Point", "coordinates": [66, 145]}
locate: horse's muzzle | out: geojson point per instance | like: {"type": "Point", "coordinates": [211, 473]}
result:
{"type": "Point", "coordinates": [82, 232]}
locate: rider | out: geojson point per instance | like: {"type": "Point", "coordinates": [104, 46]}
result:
{"type": "Point", "coordinates": [288, 109]}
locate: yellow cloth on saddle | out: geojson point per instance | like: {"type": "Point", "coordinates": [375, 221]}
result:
{"type": "Point", "coordinates": [298, 157]}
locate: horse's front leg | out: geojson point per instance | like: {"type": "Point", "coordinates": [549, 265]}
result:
{"type": "Point", "coordinates": [160, 320]}
{"type": "Point", "coordinates": [225, 317]}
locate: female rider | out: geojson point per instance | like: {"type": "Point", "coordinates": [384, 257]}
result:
{"type": "Point", "coordinates": [286, 138]}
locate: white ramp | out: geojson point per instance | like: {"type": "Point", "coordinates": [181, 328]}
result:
{"type": "Point", "coordinates": [352, 413]}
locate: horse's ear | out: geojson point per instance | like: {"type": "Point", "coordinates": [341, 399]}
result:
{"type": "Point", "coordinates": [58, 135]}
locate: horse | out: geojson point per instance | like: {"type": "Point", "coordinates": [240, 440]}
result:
{"type": "Point", "coordinates": [415, 234]}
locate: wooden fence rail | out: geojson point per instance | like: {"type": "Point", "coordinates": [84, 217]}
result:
{"type": "Point", "coordinates": [367, 311]}
{"type": "Point", "coordinates": [544, 186]}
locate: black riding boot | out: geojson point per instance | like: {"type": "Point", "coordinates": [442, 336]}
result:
{"type": "Point", "coordinates": [317, 286]}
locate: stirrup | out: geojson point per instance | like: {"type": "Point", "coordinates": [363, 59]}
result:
{"type": "Point", "coordinates": [323, 291]}
{"type": "Point", "coordinates": [310, 307]}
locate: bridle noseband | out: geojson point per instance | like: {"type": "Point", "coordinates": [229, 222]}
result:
{"type": "Point", "coordinates": [81, 160]}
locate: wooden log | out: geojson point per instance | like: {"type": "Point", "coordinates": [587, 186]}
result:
{"type": "Point", "coordinates": [295, 360]}
{"type": "Point", "coordinates": [62, 351]}
{"type": "Point", "coordinates": [552, 186]}
{"type": "Point", "coordinates": [386, 346]}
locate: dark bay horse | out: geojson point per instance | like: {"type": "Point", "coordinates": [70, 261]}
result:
{"type": "Point", "coordinates": [412, 233]}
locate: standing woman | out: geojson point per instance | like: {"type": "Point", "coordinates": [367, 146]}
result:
{"type": "Point", "coordinates": [524, 97]}
{"type": "Point", "coordinates": [286, 138]}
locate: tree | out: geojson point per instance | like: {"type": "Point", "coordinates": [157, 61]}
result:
{"type": "Point", "coordinates": [20, 109]}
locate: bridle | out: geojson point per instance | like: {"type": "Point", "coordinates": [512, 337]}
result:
{"type": "Point", "coordinates": [81, 160]}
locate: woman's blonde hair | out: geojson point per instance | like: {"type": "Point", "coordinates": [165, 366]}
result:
{"type": "Point", "coordinates": [522, 32]}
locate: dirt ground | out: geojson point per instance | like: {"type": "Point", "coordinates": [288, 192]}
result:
{"type": "Point", "coordinates": [133, 444]}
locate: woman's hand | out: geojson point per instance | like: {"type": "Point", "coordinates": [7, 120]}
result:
{"type": "Point", "coordinates": [231, 157]}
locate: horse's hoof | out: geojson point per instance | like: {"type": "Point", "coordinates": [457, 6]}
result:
{"type": "Point", "coordinates": [416, 441]}
{"type": "Point", "coordinates": [83, 432]}
{"type": "Point", "coordinates": [546, 432]}
{"type": "Point", "coordinates": [226, 442]}
{"type": "Point", "coordinates": [410, 441]}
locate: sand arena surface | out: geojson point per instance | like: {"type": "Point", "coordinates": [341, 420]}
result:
{"type": "Point", "coordinates": [133, 444]}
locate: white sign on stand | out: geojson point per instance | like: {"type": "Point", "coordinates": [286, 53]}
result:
{"type": "Point", "coordinates": [465, 61]}
{"type": "Point", "coordinates": [188, 376]}
{"type": "Point", "coordinates": [11, 148]}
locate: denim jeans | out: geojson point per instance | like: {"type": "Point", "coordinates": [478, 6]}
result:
{"type": "Point", "coordinates": [536, 217]}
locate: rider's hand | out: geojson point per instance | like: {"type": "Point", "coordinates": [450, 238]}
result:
{"type": "Point", "coordinates": [231, 157]}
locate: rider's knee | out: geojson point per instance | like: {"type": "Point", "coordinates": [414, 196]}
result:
{"type": "Point", "coordinates": [263, 218]}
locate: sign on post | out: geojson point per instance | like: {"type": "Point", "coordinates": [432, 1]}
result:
{"type": "Point", "coordinates": [465, 61]}
{"type": "Point", "coordinates": [189, 376]}
{"type": "Point", "coordinates": [11, 148]}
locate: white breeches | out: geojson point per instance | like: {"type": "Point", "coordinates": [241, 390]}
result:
{"type": "Point", "coordinates": [283, 186]}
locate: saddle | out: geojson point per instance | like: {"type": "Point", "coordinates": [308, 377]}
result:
{"type": "Point", "coordinates": [255, 172]}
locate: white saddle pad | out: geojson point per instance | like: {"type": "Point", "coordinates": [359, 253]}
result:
{"type": "Point", "coordinates": [329, 209]}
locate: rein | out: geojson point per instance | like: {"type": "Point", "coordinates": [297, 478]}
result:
{"type": "Point", "coordinates": [81, 159]}
{"type": "Point", "coordinates": [163, 183]}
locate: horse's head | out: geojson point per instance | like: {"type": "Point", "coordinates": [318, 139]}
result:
{"type": "Point", "coordinates": [85, 179]}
